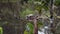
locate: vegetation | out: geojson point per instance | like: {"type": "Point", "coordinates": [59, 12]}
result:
{"type": "Point", "coordinates": [13, 14]}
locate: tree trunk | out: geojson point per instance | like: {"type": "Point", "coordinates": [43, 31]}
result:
{"type": "Point", "coordinates": [35, 27]}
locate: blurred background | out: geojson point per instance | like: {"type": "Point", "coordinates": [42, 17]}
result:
{"type": "Point", "coordinates": [18, 16]}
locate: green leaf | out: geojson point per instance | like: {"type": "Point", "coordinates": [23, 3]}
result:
{"type": "Point", "coordinates": [1, 30]}
{"type": "Point", "coordinates": [26, 12]}
{"type": "Point", "coordinates": [57, 2]}
{"type": "Point", "coordinates": [25, 32]}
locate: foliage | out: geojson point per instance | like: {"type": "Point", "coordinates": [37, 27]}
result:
{"type": "Point", "coordinates": [29, 28]}
{"type": "Point", "coordinates": [57, 2]}
{"type": "Point", "coordinates": [25, 32]}
{"type": "Point", "coordinates": [1, 30]}
{"type": "Point", "coordinates": [41, 4]}
{"type": "Point", "coordinates": [26, 12]}
{"type": "Point", "coordinates": [39, 24]}
{"type": "Point", "coordinates": [38, 5]}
